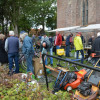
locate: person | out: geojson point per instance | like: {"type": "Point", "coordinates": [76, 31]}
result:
{"type": "Point", "coordinates": [37, 41]}
{"type": "Point", "coordinates": [96, 48]}
{"type": "Point", "coordinates": [28, 51]}
{"type": "Point", "coordinates": [12, 45]}
{"type": "Point", "coordinates": [47, 42]}
{"type": "Point", "coordinates": [90, 41]}
{"type": "Point", "coordinates": [33, 38]}
{"type": "Point", "coordinates": [51, 49]}
{"type": "Point", "coordinates": [82, 37]}
{"type": "Point", "coordinates": [45, 51]}
{"type": "Point", "coordinates": [62, 37]}
{"type": "Point", "coordinates": [79, 46]}
{"type": "Point", "coordinates": [3, 53]}
{"type": "Point", "coordinates": [58, 40]}
{"type": "Point", "coordinates": [68, 43]}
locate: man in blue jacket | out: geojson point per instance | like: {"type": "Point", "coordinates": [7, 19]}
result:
{"type": "Point", "coordinates": [27, 50]}
{"type": "Point", "coordinates": [12, 46]}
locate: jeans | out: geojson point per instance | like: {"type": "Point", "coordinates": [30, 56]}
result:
{"type": "Point", "coordinates": [67, 51]}
{"type": "Point", "coordinates": [51, 53]}
{"type": "Point", "coordinates": [57, 47]}
{"type": "Point", "coordinates": [46, 60]}
{"type": "Point", "coordinates": [82, 53]}
{"type": "Point", "coordinates": [13, 57]}
{"type": "Point", "coordinates": [51, 59]}
{"type": "Point", "coordinates": [29, 63]}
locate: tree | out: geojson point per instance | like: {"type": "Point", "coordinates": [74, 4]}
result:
{"type": "Point", "coordinates": [14, 11]}
{"type": "Point", "coordinates": [52, 20]}
{"type": "Point", "coordinates": [45, 10]}
{"type": "Point", "coordinates": [23, 14]}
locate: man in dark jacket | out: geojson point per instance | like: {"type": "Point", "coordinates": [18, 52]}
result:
{"type": "Point", "coordinates": [12, 46]}
{"type": "Point", "coordinates": [68, 43]}
{"type": "Point", "coordinates": [90, 41]}
{"type": "Point", "coordinates": [96, 47]}
{"type": "Point", "coordinates": [82, 37]}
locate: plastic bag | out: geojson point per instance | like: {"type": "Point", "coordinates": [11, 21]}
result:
{"type": "Point", "coordinates": [60, 52]}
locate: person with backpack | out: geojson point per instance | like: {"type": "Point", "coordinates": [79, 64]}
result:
{"type": "Point", "coordinates": [45, 44]}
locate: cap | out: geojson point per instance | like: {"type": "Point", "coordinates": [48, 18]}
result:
{"type": "Point", "coordinates": [80, 33]}
{"type": "Point", "coordinates": [21, 32]}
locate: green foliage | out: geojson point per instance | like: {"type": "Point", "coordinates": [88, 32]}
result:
{"type": "Point", "coordinates": [45, 11]}
{"type": "Point", "coordinates": [23, 91]}
{"type": "Point", "coordinates": [19, 90]}
{"type": "Point", "coordinates": [23, 14]}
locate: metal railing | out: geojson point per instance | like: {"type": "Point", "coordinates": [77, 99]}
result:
{"type": "Point", "coordinates": [76, 63]}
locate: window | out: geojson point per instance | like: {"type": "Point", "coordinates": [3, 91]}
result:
{"type": "Point", "coordinates": [83, 17]}
{"type": "Point", "coordinates": [85, 12]}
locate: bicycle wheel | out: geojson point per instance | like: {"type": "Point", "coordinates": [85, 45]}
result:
{"type": "Point", "coordinates": [23, 64]}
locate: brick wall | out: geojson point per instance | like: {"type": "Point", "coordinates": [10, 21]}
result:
{"type": "Point", "coordinates": [98, 11]}
{"type": "Point", "coordinates": [70, 12]}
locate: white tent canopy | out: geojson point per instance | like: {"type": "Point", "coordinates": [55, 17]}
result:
{"type": "Point", "coordinates": [65, 29]}
{"type": "Point", "coordinates": [90, 27]}
{"type": "Point", "coordinates": [73, 29]}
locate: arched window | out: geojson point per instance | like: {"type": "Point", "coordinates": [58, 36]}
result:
{"type": "Point", "coordinates": [83, 17]}
{"type": "Point", "coordinates": [86, 12]}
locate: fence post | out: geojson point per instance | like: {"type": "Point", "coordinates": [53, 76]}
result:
{"type": "Point", "coordinates": [45, 71]}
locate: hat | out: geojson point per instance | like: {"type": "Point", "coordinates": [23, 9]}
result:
{"type": "Point", "coordinates": [98, 34]}
{"type": "Point", "coordinates": [21, 32]}
{"type": "Point", "coordinates": [11, 33]}
{"type": "Point", "coordinates": [80, 33]}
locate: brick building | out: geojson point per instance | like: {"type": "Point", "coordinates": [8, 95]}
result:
{"type": "Point", "coordinates": [77, 12]}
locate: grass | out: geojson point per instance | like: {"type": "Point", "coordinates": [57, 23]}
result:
{"type": "Point", "coordinates": [66, 63]}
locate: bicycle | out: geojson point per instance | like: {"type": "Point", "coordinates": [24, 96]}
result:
{"type": "Point", "coordinates": [22, 63]}
{"type": "Point", "coordinates": [36, 51]}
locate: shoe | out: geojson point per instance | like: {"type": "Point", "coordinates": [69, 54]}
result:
{"type": "Point", "coordinates": [10, 73]}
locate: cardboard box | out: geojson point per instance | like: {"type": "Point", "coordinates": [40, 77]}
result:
{"type": "Point", "coordinates": [38, 68]}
